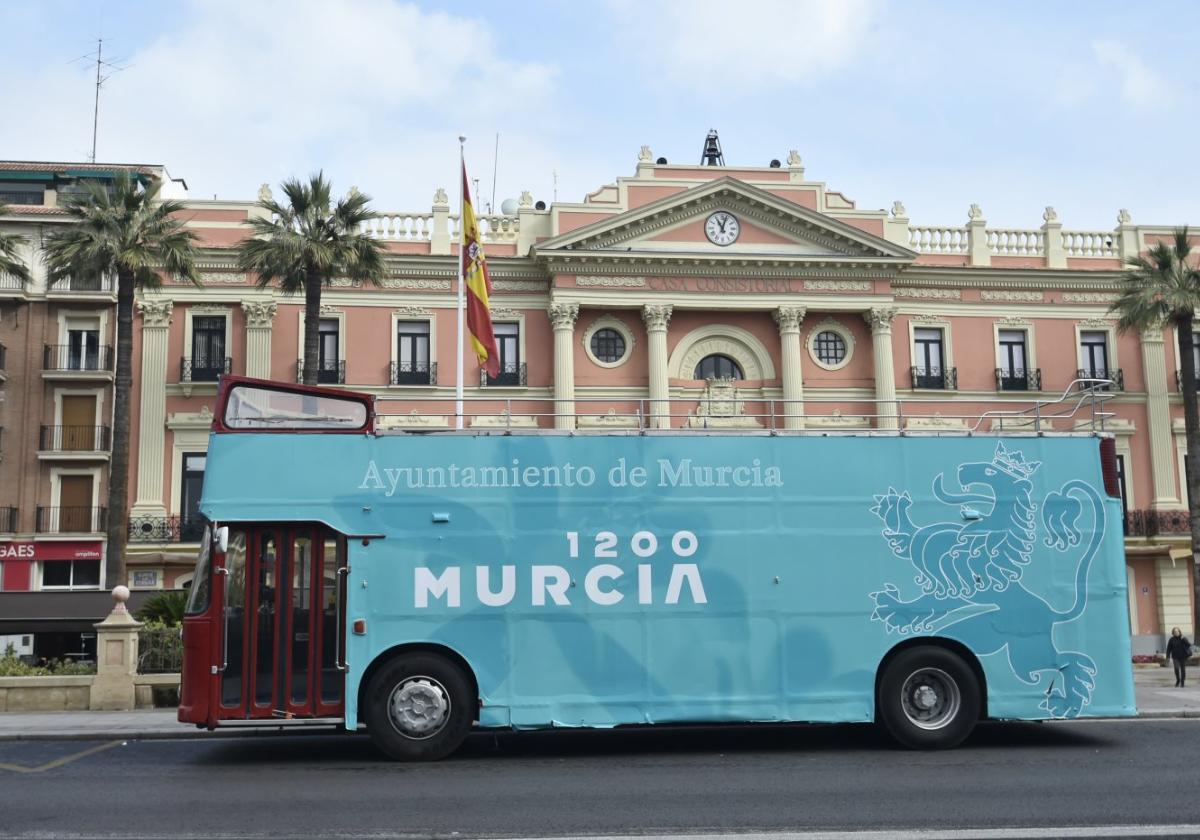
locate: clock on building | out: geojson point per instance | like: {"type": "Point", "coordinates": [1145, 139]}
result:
{"type": "Point", "coordinates": [722, 228]}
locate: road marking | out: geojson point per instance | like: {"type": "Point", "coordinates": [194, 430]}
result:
{"type": "Point", "coordinates": [59, 762]}
{"type": "Point", "coordinates": [872, 834]}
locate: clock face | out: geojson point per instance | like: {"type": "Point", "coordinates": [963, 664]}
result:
{"type": "Point", "coordinates": [722, 228]}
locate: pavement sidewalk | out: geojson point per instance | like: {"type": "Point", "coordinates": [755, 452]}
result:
{"type": "Point", "coordinates": [1156, 698]}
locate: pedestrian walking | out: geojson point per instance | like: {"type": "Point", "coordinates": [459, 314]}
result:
{"type": "Point", "coordinates": [1178, 651]}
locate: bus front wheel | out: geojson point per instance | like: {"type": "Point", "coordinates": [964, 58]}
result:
{"type": "Point", "coordinates": [418, 707]}
{"type": "Point", "coordinates": [928, 699]}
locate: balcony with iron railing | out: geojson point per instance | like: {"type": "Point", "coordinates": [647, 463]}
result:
{"type": "Point", "coordinates": [71, 520]}
{"type": "Point", "coordinates": [83, 287]}
{"type": "Point", "coordinates": [511, 375]}
{"type": "Point", "coordinates": [329, 372]}
{"type": "Point", "coordinates": [165, 529]}
{"type": "Point", "coordinates": [936, 379]}
{"type": "Point", "coordinates": [71, 360]}
{"type": "Point", "coordinates": [203, 370]}
{"type": "Point", "coordinates": [8, 520]}
{"type": "Point", "coordinates": [1116, 376]}
{"type": "Point", "coordinates": [1018, 380]}
{"type": "Point", "coordinates": [1158, 523]}
{"type": "Point", "coordinates": [413, 373]}
{"type": "Point", "coordinates": [75, 441]}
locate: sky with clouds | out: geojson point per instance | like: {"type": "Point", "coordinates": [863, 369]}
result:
{"type": "Point", "coordinates": [1087, 106]}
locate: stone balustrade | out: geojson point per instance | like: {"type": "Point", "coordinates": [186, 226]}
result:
{"type": "Point", "coordinates": [1016, 243]}
{"type": "Point", "coordinates": [938, 240]}
{"type": "Point", "coordinates": [401, 227]}
{"type": "Point", "coordinates": [1087, 243]}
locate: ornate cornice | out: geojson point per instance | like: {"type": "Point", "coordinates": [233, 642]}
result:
{"type": "Point", "coordinates": [921, 293]}
{"type": "Point", "coordinates": [259, 313]}
{"type": "Point", "coordinates": [839, 286]}
{"type": "Point", "coordinates": [1012, 297]}
{"type": "Point", "coordinates": [657, 315]}
{"type": "Point", "coordinates": [610, 281]}
{"type": "Point", "coordinates": [563, 315]}
{"type": "Point", "coordinates": [155, 313]}
{"type": "Point", "coordinates": [520, 285]}
{"type": "Point", "coordinates": [1089, 297]}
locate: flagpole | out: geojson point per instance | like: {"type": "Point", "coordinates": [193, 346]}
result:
{"type": "Point", "coordinates": [462, 282]}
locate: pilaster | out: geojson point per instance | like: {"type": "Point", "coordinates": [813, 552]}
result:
{"type": "Point", "coordinates": [562, 318]}
{"type": "Point", "coordinates": [657, 316]}
{"type": "Point", "coordinates": [152, 416]}
{"type": "Point", "coordinates": [879, 318]}
{"type": "Point", "coordinates": [1158, 414]}
{"type": "Point", "coordinates": [259, 316]}
{"type": "Point", "coordinates": [789, 318]}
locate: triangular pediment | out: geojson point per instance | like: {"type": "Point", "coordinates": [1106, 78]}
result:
{"type": "Point", "coordinates": [769, 226]}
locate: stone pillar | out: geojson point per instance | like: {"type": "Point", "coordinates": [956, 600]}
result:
{"type": "Point", "coordinates": [439, 236]}
{"type": "Point", "coordinates": [1127, 236]}
{"type": "Point", "coordinates": [1158, 413]}
{"type": "Point", "coordinates": [895, 227]}
{"type": "Point", "coordinates": [1056, 255]}
{"type": "Point", "coordinates": [880, 320]}
{"type": "Point", "coordinates": [789, 319]}
{"type": "Point", "coordinates": [656, 317]}
{"type": "Point", "coordinates": [152, 416]}
{"type": "Point", "coordinates": [980, 253]}
{"type": "Point", "coordinates": [116, 657]}
{"type": "Point", "coordinates": [259, 315]}
{"type": "Point", "coordinates": [562, 317]}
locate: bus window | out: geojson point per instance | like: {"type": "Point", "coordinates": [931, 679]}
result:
{"type": "Point", "coordinates": [264, 670]}
{"type": "Point", "coordinates": [331, 677]}
{"type": "Point", "coordinates": [301, 592]}
{"type": "Point", "coordinates": [201, 581]}
{"type": "Point", "coordinates": [256, 407]}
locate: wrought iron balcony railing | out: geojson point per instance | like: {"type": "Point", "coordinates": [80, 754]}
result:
{"type": "Point", "coordinates": [939, 379]}
{"type": "Point", "coordinates": [1116, 376]}
{"type": "Point", "coordinates": [328, 372]}
{"type": "Point", "coordinates": [413, 373]}
{"type": "Point", "coordinates": [1155, 523]}
{"type": "Point", "coordinates": [203, 370]}
{"type": "Point", "coordinates": [165, 529]}
{"type": "Point", "coordinates": [1018, 380]}
{"type": "Point", "coordinates": [71, 520]}
{"type": "Point", "coordinates": [75, 439]}
{"type": "Point", "coordinates": [8, 520]}
{"type": "Point", "coordinates": [67, 357]}
{"type": "Point", "coordinates": [510, 375]}
{"type": "Point", "coordinates": [83, 285]}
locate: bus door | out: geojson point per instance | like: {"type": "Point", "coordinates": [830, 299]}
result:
{"type": "Point", "coordinates": [283, 646]}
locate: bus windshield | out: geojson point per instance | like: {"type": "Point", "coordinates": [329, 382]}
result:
{"type": "Point", "coordinates": [201, 586]}
{"type": "Point", "coordinates": [255, 407]}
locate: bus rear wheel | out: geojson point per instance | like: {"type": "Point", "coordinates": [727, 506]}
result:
{"type": "Point", "coordinates": [929, 699]}
{"type": "Point", "coordinates": [418, 707]}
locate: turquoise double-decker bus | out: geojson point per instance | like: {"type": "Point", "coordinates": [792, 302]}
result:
{"type": "Point", "coordinates": [419, 585]}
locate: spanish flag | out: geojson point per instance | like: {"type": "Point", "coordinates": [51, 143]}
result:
{"type": "Point", "coordinates": [478, 287]}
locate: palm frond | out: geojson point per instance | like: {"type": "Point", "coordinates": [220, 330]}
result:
{"type": "Point", "coordinates": [10, 260]}
{"type": "Point", "coordinates": [1159, 285]}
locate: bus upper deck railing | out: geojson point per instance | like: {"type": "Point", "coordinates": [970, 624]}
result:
{"type": "Point", "coordinates": [1082, 402]}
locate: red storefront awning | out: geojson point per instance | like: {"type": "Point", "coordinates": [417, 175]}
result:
{"type": "Point", "coordinates": [18, 556]}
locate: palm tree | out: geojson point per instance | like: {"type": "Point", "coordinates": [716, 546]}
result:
{"type": "Point", "coordinates": [10, 262]}
{"type": "Point", "coordinates": [127, 233]}
{"type": "Point", "coordinates": [307, 242]}
{"type": "Point", "coordinates": [1159, 287]}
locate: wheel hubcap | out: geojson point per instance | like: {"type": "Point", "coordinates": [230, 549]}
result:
{"type": "Point", "coordinates": [930, 698]}
{"type": "Point", "coordinates": [419, 707]}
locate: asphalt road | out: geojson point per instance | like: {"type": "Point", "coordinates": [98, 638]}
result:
{"type": "Point", "coordinates": [713, 780]}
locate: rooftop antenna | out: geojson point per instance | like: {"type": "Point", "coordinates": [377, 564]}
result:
{"type": "Point", "coordinates": [711, 156]}
{"type": "Point", "coordinates": [495, 165]}
{"type": "Point", "coordinates": [101, 66]}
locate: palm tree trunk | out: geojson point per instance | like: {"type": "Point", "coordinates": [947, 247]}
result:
{"type": "Point", "coordinates": [118, 466]}
{"type": "Point", "coordinates": [1191, 424]}
{"type": "Point", "coordinates": [312, 327]}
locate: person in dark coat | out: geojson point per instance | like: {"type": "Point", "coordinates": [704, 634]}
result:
{"type": "Point", "coordinates": [1178, 650]}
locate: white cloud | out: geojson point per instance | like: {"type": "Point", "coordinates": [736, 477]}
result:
{"type": "Point", "coordinates": [1139, 84]}
{"type": "Point", "coordinates": [245, 92]}
{"type": "Point", "coordinates": [722, 48]}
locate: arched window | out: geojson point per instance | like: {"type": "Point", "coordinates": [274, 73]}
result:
{"type": "Point", "coordinates": [718, 366]}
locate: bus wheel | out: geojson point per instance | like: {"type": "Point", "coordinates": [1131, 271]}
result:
{"type": "Point", "coordinates": [928, 699]}
{"type": "Point", "coordinates": [418, 707]}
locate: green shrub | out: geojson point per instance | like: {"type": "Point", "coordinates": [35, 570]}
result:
{"type": "Point", "coordinates": [165, 607]}
{"type": "Point", "coordinates": [12, 666]}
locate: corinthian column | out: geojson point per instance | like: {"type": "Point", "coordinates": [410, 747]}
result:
{"type": "Point", "coordinates": [789, 319]}
{"type": "Point", "coordinates": [152, 416]}
{"type": "Point", "coordinates": [656, 317]}
{"type": "Point", "coordinates": [1158, 413]}
{"type": "Point", "coordinates": [259, 315]}
{"type": "Point", "coordinates": [562, 318]}
{"type": "Point", "coordinates": [880, 320]}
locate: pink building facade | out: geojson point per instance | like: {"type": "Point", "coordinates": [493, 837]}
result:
{"type": "Point", "coordinates": [689, 297]}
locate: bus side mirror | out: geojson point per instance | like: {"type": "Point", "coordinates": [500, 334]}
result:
{"type": "Point", "coordinates": [221, 538]}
